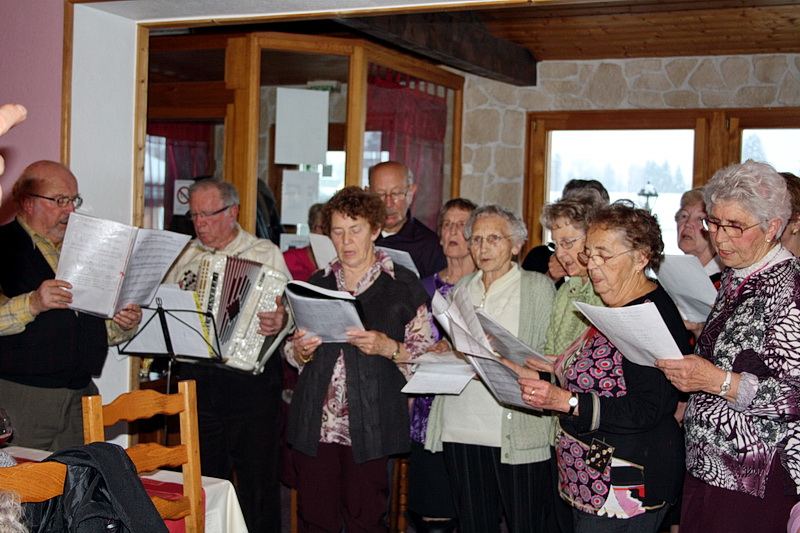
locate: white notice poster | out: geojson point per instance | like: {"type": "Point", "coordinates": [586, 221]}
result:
{"type": "Point", "coordinates": [301, 127]}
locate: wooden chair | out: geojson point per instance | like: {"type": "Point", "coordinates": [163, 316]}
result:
{"type": "Point", "coordinates": [143, 404]}
{"type": "Point", "coordinates": [398, 502]}
{"type": "Point", "coordinates": [34, 482]}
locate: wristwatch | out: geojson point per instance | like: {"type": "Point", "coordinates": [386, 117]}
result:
{"type": "Point", "coordinates": [396, 353]}
{"type": "Point", "coordinates": [726, 385]}
{"type": "Point", "coordinates": [573, 403]}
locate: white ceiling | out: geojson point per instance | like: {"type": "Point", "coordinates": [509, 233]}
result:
{"type": "Point", "coordinates": [183, 10]}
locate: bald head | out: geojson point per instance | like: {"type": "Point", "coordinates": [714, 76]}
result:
{"type": "Point", "coordinates": [37, 193]}
{"type": "Point", "coordinates": [393, 182]}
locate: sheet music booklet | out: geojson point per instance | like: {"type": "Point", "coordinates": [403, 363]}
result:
{"type": "Point", "coordinates": [111, 264]}
{"type": "Point", "coordinates": [638, 331]}
{"type": "Point", "coordinates": [323, 312]}
{"type": "Point", "coordinates": [459, 318]}
{"type": "Point", "coordinates": [689, 286]}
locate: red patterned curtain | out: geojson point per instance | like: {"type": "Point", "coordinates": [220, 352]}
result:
{"type": "Point", "coordinates": [187, 155]}
{"type": "Point", "coordinates": [411, 115]}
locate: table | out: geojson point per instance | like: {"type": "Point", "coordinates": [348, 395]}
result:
{"type": "Point", "coordinates": [223, 513]}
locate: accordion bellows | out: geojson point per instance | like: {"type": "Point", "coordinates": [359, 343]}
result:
{"type": "Point", "coordinates": [234, 291]}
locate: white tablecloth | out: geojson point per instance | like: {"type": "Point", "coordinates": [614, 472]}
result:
{"type": "Point", "coordinates": [223, 513]}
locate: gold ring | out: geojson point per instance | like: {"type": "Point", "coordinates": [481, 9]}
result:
{"type": "Point", "coordinates": [530, 394]}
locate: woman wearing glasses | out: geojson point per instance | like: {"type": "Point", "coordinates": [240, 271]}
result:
{"type": "Point", "coordinates": [498, 458]}
{"type": "Point", "coordinates": [430, 502]}
{"type": "Point", "coordinates": [742, 431]}
{"type": "Point", "coordinates": [619, 448]}
{"type": "Point", "coordinates": [567, 221]}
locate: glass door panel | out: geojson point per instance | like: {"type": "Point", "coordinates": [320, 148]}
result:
{"type": "Point", "coordinates": [304, 71]}
{"type": "Point", "coordinates": [409, 119]}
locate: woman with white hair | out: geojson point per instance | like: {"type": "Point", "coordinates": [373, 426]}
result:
{"type": "Point", "coordinates": [11, 513]}
{"type": "Point", "coordinates": [498, 457]}
{"type": "Point", "coordinates": [743, 419]}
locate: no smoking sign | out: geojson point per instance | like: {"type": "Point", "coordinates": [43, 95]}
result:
{"type": "Point", "coordinates": [180, 205]}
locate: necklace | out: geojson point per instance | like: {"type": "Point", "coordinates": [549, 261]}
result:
{"type": "Point", "coordinates": [768, 258]}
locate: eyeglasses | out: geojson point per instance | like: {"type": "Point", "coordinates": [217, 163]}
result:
{"type": "Point", "coordinates": [448, 226]}
{"type": "Point", "coordinates": [712, 226]}
{"type": "Point", "coordinates": [492, 240]}
{"type": "Point", "coordinates": [62, 201]}
{"type": "Point", "coordinates": [566, 244]}
{"type": "Point", "coordinates": [598, 259]}
{"type": "Point", "coordinates": [202, 215]}
{"type": "Point", "coordinates": [395, 196]}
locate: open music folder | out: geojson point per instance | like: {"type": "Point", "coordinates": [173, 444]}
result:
{"type": "Point", "coordinates": [111, 264]}
{"type": "Point", "coordinates": [469, 337]}
{"type": "Point", "coordinates": [322, 312]}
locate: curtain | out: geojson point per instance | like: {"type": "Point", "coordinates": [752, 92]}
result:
{"type": "Point", "coordinates": [183, 149]}
{"type": "Point", "coordinates": [411, 115]}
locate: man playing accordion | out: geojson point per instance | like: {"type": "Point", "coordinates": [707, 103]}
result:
{"type": "Point", "coordinates": [238, 413]}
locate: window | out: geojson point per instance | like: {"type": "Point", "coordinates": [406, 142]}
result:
{"type": "Point", "coordinates": [777, 146]}
{"type": "Point", "coordinates": [627, 163]}
{"type": "Point", "coordinates": [687, 146]}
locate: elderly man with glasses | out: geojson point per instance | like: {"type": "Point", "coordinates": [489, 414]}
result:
{"type": "Point", "coordinates": [392, 181]}
{"type": "Point", "coordinates": [238, 413]}
{"type": "Point", "coordinates": [48, 353]}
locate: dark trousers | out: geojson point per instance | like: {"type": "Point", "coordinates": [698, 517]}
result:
{"type": "Point", "coordinates": [644, 523]}
{"type": "Point", "coordinates": [706, 508]}
{"type": "Point", "coordinates": [334, 492]}
{"type": "Point", "coordinates": [45, 419]}
{"type": "Point", "coordinates": [429, 491]}
{"type": "Point", "coordinates": [484, 489]}
{"type": "Point", "coordinates": [239, 419]}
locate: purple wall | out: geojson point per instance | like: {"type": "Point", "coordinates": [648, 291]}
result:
{"type": "Point", "coordinates": [31, 44]}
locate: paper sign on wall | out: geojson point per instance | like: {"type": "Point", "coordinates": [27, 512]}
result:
{"type": "Point", "coordinates": [180, 202]}
{"type": "Point", "coordinates": [300, 190]}
{"type": "Point", "coordinates": [301, 127]}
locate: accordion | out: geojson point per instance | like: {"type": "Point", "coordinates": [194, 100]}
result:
{"type": "Point", "coordinates": [234, 291]}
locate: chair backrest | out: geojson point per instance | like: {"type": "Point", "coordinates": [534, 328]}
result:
{"type": "Point", "coordinates": [144, 404]}
{"type": "Point", "coordinates": [34, 482]}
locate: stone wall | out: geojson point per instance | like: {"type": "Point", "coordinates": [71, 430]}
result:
{"type": "Point", "coordinates": [493, 156]}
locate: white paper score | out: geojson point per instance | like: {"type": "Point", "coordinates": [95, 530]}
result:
{"type": "Point", "coordinates": [638, 331]}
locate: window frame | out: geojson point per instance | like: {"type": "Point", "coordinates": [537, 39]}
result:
{"type": "Point", "coordinates": [717, 142]}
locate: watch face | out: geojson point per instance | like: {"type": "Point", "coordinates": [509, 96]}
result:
{"type": "Point", "coordinates": [573, 401]}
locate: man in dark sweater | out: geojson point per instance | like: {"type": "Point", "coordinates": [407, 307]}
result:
{"type": "Point", "coordinates": [393, 182]}
{"type": "Point", "coordinates": [48, 353]}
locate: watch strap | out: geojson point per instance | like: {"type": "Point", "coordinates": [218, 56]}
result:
{"type": "Point", "coordinates": [726, 385]}
{"type": "Point", "coordinates": [396, 353]}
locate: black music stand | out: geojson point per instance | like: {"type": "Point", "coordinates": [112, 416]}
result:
{"type": "Point", "coordinates": [168, 350]}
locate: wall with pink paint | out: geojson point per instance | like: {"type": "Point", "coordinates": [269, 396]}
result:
{"type": "Point", "coordinates": [31, 45]}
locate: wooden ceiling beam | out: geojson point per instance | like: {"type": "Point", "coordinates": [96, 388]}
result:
{"type": "Point", "coordinates": [459, 40]}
